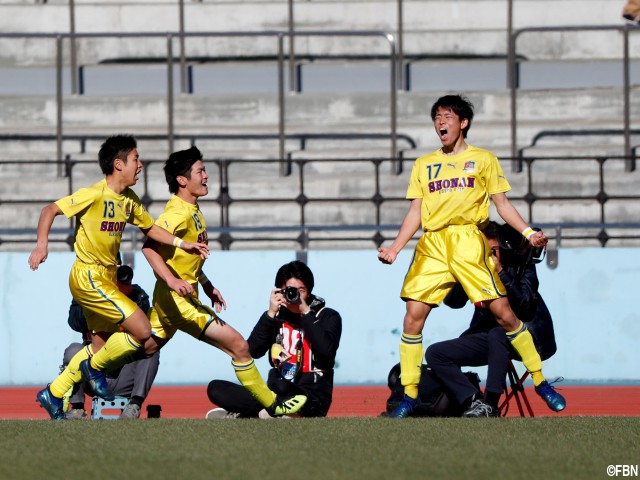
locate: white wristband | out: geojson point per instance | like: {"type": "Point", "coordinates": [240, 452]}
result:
{"type": "Point", "coordinates": [178, 242]}
{"type": "Point", "coordinates": [527, 232]}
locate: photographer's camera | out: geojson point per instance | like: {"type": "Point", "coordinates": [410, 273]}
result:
{"type": "Point", "coordinates": [515, 250]}
{"type": "Point", "coordinates": [291, 294]}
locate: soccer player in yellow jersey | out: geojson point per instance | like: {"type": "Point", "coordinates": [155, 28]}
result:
{"type": "Point", "coordinates": [176, 305]}
{"type": "Point", "coordinates": [102, 211]}
{"type": "Point", "coordinates": [450, 191]}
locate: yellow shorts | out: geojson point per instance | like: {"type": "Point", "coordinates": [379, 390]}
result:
{"type": "Point", "coordinates": [94, 287]}
{"type": "Point", "coordinates": [456, 254]}
{"type": "Point", "coordinates": [171, 312]}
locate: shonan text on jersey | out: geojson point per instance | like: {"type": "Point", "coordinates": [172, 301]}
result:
{"type": "Point", "coordinates": [184, 220]}
{"type": "Point", "coordinates": [101, 215]}
{"type": "Point", "coordinates": [455, 189]}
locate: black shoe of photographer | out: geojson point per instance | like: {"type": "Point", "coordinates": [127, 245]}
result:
{"type": "Point", "coordinates": [479, 409]}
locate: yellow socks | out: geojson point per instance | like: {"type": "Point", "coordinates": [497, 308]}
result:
{"type": "Point", "coordinates": [71, 374]}
{"type": "Point", "coordinates": [410, 363]}
{"type": "Point", "coordinates": [522, 341]}
{"type": "Point", "coordinates": [250, 379]}
{"type": "Point", "coordinates": [120, 347]}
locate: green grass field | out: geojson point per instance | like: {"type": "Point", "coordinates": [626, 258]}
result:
{"type": "Point", "coordinates": [349, 448]}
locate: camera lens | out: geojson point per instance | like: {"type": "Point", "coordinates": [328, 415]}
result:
{"type": "Point", "coordinates": [291, 294]}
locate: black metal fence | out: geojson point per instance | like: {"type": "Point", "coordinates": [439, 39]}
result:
{"type": "Point", "coordinates": [356, 202]}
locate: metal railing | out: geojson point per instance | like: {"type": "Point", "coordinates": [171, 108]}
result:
{"type": "Point", "coordinates": [600, 229]}
{"type": "Point", "coordinates": [395, 59]}
{"type": "Point", "coordinates": [513, 77]}
{"type": "Point", "coordinates": [291, 26]}
{"type": "Point", "coordinates": [279, 37]}
{"type": "Point", "coordinates": [367, 214]}
{"type": "Point", "coordinates": [630, 161]}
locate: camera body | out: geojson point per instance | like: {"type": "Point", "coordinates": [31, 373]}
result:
{"type": "Point", "coordinates": [515, 250]}
{"type": "Point", "coordinates": [291, 294]}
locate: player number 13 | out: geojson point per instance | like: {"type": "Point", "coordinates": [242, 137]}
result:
{"type": "Point", "coordinates": [109, 209]}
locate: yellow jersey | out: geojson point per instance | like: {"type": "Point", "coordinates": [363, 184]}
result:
{"type": "Point", "coordinates": [455, 189]}
{"type": "Point", "coordinates": [184, 220]}
{"type": "Point", "coordinates": [101, 215]}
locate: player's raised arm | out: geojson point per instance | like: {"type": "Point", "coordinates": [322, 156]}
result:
{"type": "Point", "coordinates": [409, 227]}
{"type": "Point", "coordinates": [161, 235]}
{"type": "Point", "coordinates": [40, 253]}
{"type": "Point", "coordinates": [509, 214]}
{"type": "Point", "coordinates": [178, 285]}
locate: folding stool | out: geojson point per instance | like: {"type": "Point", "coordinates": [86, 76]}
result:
{"type": "Point", "coordinates": [517, 391]}
{"type": "Point", "coordinates": [102, 409]}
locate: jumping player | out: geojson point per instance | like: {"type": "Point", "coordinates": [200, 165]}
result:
{"type": "Point", "coordinates": [101, 212]}
{"type": "Point", "coordinates": [177, 308]}
{"type": "Point", "coordinates": [450, 191]}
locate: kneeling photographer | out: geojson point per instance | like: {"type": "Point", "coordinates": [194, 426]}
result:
{"type": "Point", "coordinates": [485, 342]}
{"type": "Point", "coordinates": [301, 336]}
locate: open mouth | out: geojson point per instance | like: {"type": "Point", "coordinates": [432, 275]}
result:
{"type": "Point", "coordinates": [443, 131]}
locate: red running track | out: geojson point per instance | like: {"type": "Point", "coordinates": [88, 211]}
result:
{"type": "Point", "coordinates": [349, 401]}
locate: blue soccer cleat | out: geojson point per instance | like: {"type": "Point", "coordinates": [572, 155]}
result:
{"type": "Point", "coordinates": [97, 380]}
{"type": "Point", "coordinates": [51, 404]}
{"type": "Point", "coordinates": [555, 401]}
{"type": "Point", "coordinates": [406, 407]}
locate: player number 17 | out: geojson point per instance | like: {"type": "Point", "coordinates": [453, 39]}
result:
{"type": "Point", "coordinates": [433, 170]}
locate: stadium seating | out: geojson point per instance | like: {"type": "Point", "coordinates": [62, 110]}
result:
{"type": "Point", "coordinates": [342, 87]}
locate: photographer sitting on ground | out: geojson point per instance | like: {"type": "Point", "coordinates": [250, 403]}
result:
{"type": "Point", "coordinates": [484, 342]}
{"type": "Point", "coordinates": [133, 380]}
{"type": "Point", "coordinates": [302, 336]}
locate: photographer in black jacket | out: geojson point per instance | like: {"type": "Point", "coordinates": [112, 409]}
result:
{"type": "Point", "coordinates": [484, 342]}
{"type": "Point", "coordinates": [301, 336]}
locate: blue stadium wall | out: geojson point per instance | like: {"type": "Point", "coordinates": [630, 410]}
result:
{"type": "Point", "coordinates": [591, 294]}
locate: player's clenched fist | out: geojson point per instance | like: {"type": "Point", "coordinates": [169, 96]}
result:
{"type": "Point", "coordinates": [386, 255]}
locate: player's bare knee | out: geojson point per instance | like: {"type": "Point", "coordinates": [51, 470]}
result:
{"type": "Point", "coordinates": [239, 350]}
{"type": "Point", "coordinates": [503, 314]}
{"type": "Point", "coordinates": [509, 323]}
{"type": "Point", "coordinates": [141, 335]}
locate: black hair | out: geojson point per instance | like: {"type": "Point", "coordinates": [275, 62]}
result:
{"type": "Point", "coordinates": [117, 146]}
{"type": "Point", "coordinates": [515, 250]}
{"type": "Point", "coordinates": [295, 269]}
{"type": "Point", "coordinates": [491, 230]}
{"type": "Point", "coordinates": [459, 105]}
{"type": "Point", "coordinates": [507, 237]}
{"type": "Point", "coordinates": [179, 164]}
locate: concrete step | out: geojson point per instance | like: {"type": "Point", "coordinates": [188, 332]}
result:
{"type": "Point", "coordinates": [469, 27]}
{"type": "Point", "coordinates": [318, 113]}
{"type": "Point", "coordinates": [320, 76]}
